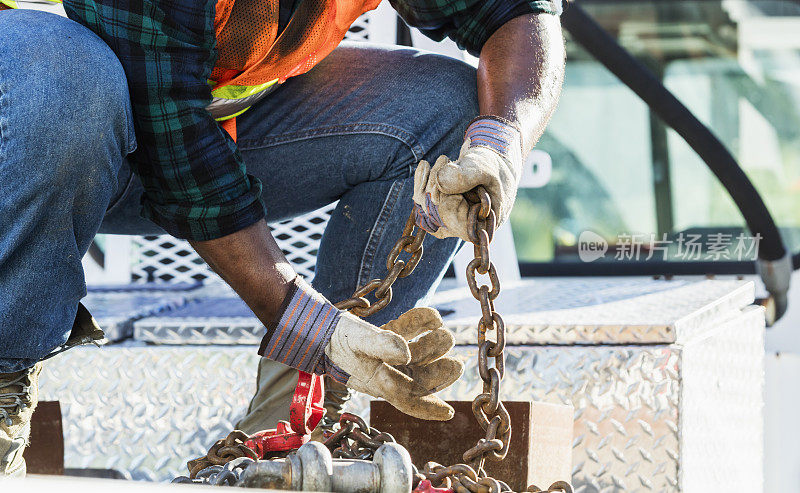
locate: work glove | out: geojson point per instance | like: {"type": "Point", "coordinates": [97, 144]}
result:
{"type": "Point", "coordinates": [383, 363]}
{"type": "Point", "coordinates": [311, 335]}
{"type": "Point", "coordinates": [491, 156]}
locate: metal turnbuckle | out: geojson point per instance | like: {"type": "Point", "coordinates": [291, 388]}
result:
{"type": "Point", "coordinates": [313, 468]}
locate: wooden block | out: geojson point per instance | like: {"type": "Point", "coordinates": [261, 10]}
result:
{"type": "Point", "coordinates": [45, 455]}
{"type": "Point", "coordinates": [540, 452]}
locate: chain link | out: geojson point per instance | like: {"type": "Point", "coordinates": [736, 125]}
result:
{"type": "Point", "coordinates": [223, 451]}
{"type": "Point", "coordinates": [557, 487]}
{"type": "Point", "coordinates": [409, 242]}
{"type": "Point", "coordinates": [487, 407]}
{"type": "Point", "coordinates": [227, 475]}
{"type": "Point", "coordinates": [355, 439]}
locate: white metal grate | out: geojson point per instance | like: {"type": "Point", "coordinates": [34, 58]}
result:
{"type": "Point", "coordinates": [166, 259]}
{"type": "Point", "coordinates": [299, 238]}
{"type": "Point", "coordinates": [359, 31]}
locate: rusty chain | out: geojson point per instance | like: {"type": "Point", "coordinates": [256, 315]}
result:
{"type": "Point", "coordinates": [232, 447]}
{"type": "Point", "coordinates": [355, 439]}
{"type": "Point", "coordinates": [487, 407]}
{"type": "Point", "coordinates": [223, 451]}
{"type": "Point", "coordinates": [558, 486]}
{"type": "Point", "coordinates": [409, 242]}
{"type": "Point", "coordinates": [215, 475]}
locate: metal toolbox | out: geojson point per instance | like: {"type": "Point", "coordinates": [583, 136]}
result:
{"type": "Point", "coordinates": [666, 378]}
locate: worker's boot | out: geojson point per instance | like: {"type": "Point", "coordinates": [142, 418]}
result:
{"type": "Point", "coordinates": [19, 394]}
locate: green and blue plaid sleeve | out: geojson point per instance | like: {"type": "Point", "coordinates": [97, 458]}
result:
{"type": "Point", "coordinates": [196, 186]}
{"type": "Point", "coordinates": [468, 22]}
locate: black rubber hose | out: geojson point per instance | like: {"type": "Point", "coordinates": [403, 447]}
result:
{"type": "Point", "coordinates": [719, 160]}
{"type": "Point", "coordinates": [96, 254]}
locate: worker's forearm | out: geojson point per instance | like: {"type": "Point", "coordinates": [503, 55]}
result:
{"type": "Point", "coordinates": [520, 73]}
{"type": "Point", "coordinates": [253, 265]}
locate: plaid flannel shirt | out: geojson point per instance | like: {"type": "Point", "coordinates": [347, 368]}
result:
{"type": "Point", "coordinates": [196, 185]}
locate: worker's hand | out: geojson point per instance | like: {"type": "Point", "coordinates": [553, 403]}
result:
{"type": "Point", "coordinates": [491, 156]}
{"type": "Point", "coordinates": [382, 363]}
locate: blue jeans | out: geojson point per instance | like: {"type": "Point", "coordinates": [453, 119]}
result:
{"type": "Point", "coordinates": [352, 130]}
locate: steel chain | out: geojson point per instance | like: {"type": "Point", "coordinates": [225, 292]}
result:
{"type": "Point", "coordinates": [215, 475]}
{"type": "Point", "coordinates": [409, 242]}
{"type": "Point", "coordinates": [355, 439]}
{"type": "Point", "coordinates": [487, 406]}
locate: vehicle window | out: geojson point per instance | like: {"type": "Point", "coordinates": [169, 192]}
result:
{"type": "Point", "coordinates": [620, 174]}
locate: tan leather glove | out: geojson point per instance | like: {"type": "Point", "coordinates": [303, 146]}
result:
{"type": "Point", "coordinates": [310, 334]}
{"type": "Point", "coordinates": [491, 156]}
{"type": "Point", "coordinates": [382, 363]}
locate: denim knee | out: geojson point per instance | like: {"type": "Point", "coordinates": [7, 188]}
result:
{"type": "Point", "coordinates": [64, 99]}
{"type": "Point", "coordinates": [456, 85]}
{"type": "Point", "coordinates": [65, 128]}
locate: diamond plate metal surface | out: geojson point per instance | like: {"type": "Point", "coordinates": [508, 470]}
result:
{"type": "Point", "coordinates": [666, 416]}
{"type": "Point", "coordinates": [598, 310]}
{"type": "Point", "coordinates": [546, 311]}
{"type": "Point", "coordinates": [647, 418]}
{"type": "Point", "coordinates": [626, 407]}
{"type": "Point", "coordinates": [146, 410]}
{"type": "Point", "coordinates": [215, 320]}
{"type": "Point", "coordinates": [722, 416]}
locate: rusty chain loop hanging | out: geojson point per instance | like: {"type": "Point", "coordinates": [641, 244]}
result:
{"type": "Point", "coordinates": [558, 486]}
{"type": "Point", "coordinates": [487, 406]}
{"type": "Point", "coordinates": [356, 440]}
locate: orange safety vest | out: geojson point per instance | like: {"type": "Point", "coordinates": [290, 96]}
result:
{"type": "Point", "coordinates": [252, 58]}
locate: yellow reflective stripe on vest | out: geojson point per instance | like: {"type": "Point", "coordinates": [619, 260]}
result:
{"type": "Point", "coordinates": [29, 4]}
{"type": "Point", "coordinates": [230, 101]}
{"type": "Point", "coordinates": [222, 119]}
{"type": "Point", "coordinates": [240, 92]}
{"type": "Point", "coordinates": [53, 6]}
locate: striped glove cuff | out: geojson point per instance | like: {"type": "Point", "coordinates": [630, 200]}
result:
{"type": "Point", "coordinates": [498, 134]}
{"type": "Point", "coordinates": [302, 329]}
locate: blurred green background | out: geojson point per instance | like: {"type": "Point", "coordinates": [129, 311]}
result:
{"type": "Point", "coordinates": [618, 170]}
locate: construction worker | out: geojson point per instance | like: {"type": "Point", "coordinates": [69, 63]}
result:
{"type": "Point", "coordinates": [205, 120]}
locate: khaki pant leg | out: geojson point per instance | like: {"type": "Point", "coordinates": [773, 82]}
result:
{"type": "Point", "coordinates": [275, 384]}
